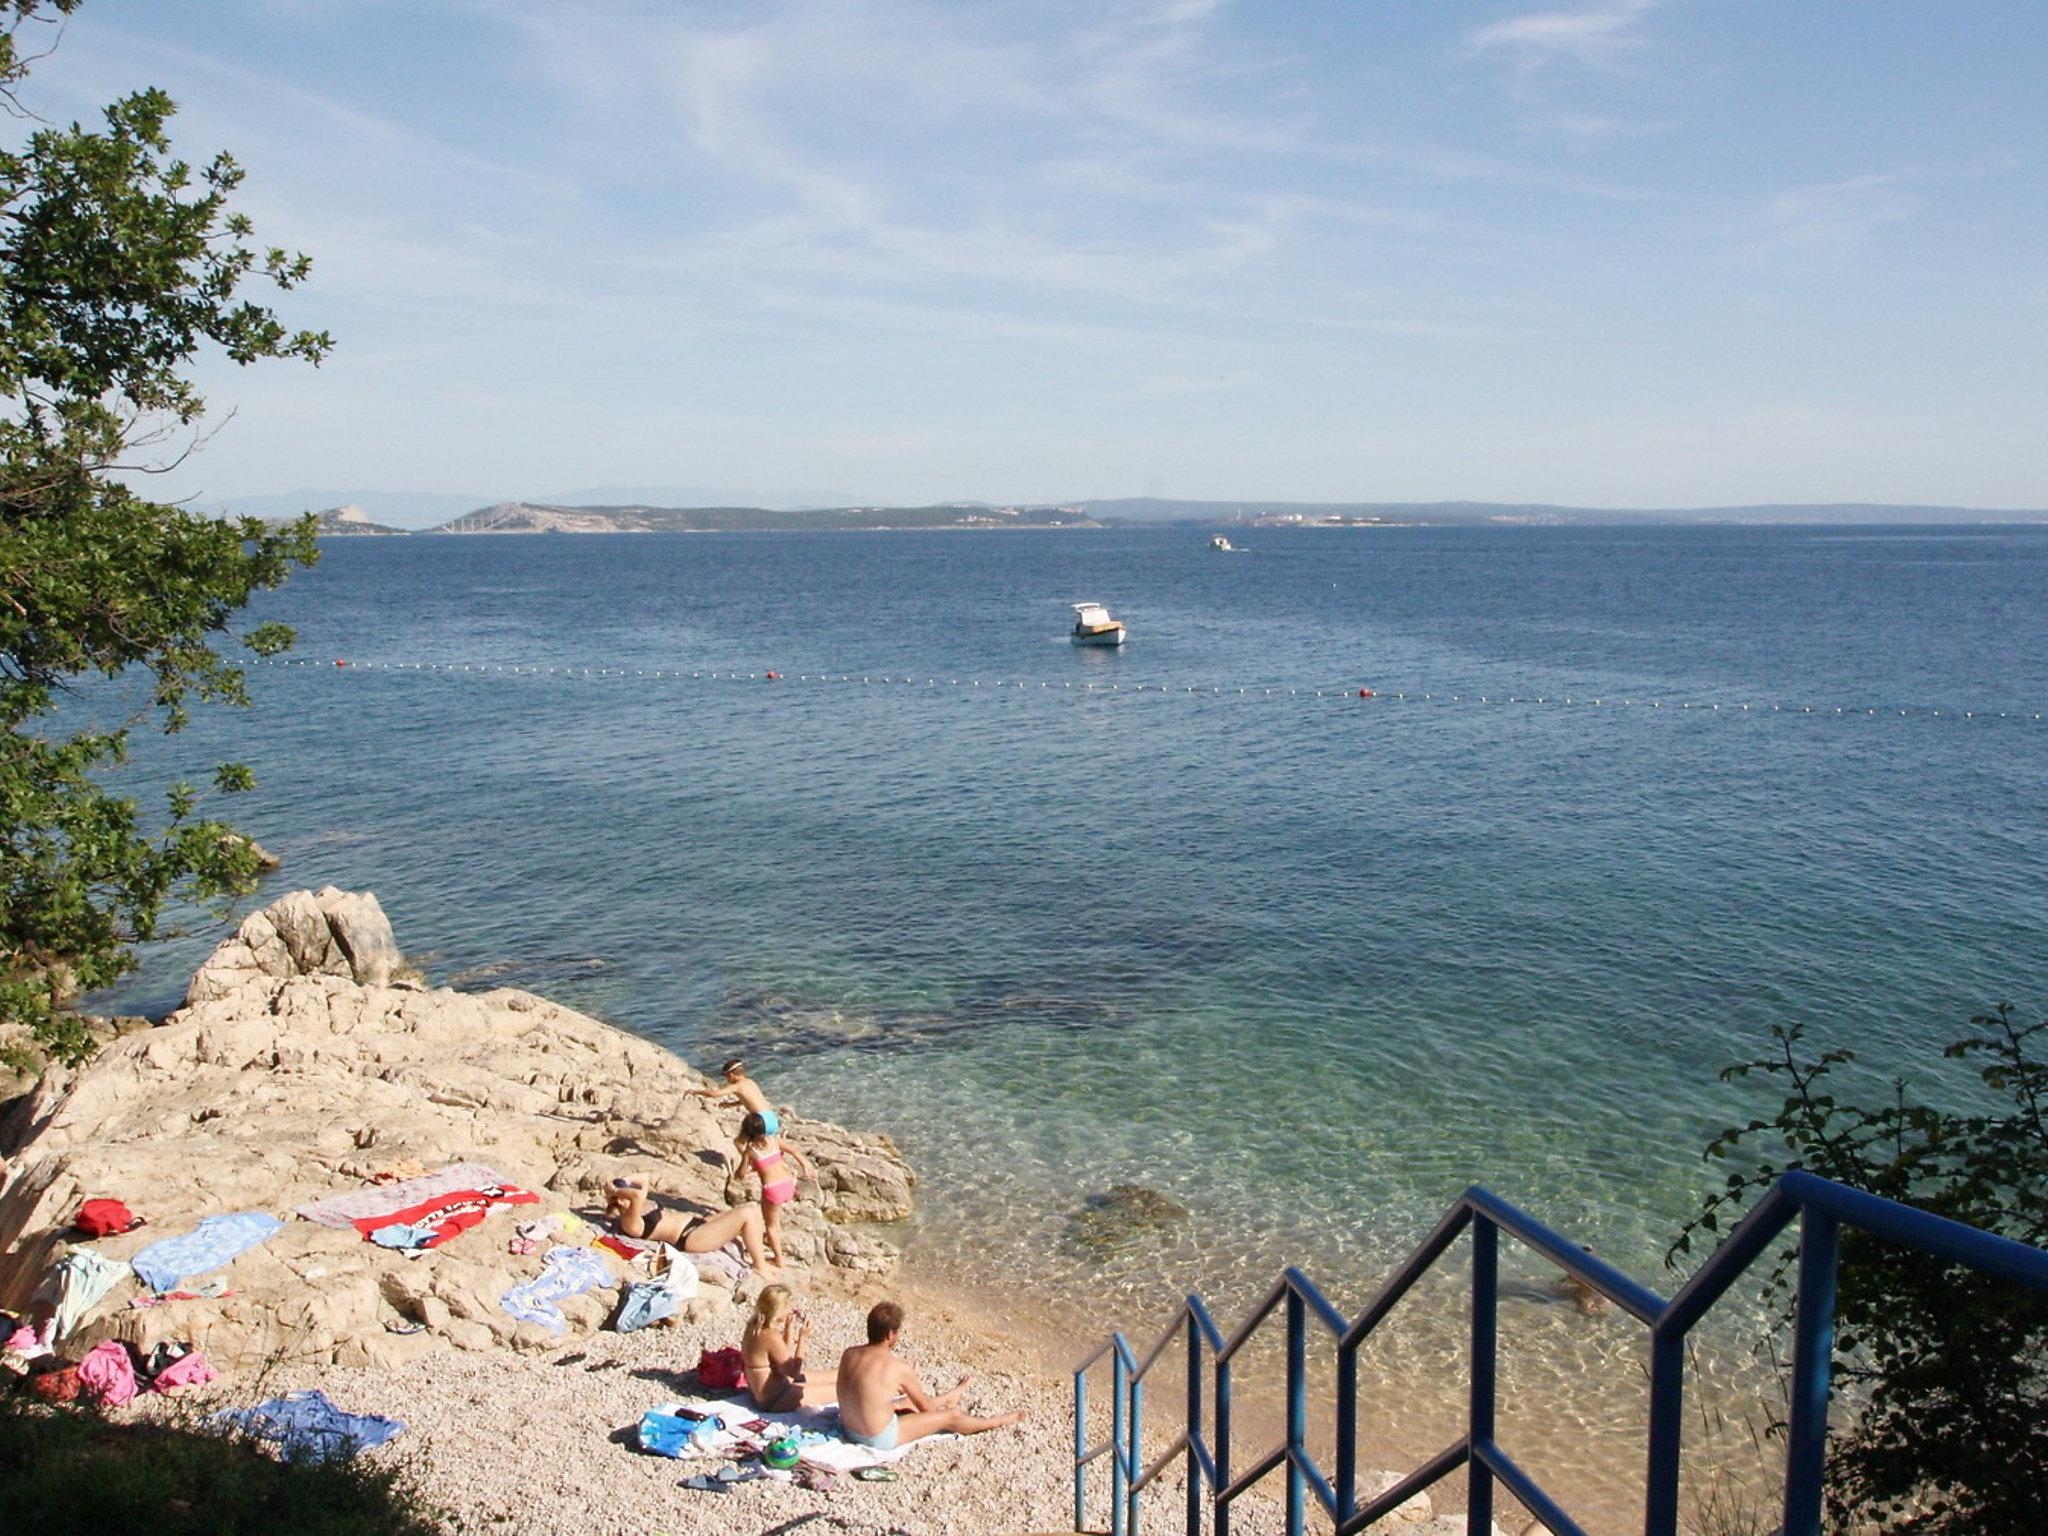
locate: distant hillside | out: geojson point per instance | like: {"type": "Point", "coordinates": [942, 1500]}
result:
{"type": "Point", "coordinates": [405, 510]}
{"type": "Point", "coordinates": [342, 522]}
{"type": "Point", "coordinates": [533, 517]}
{"type": "Point", "coordinates": [1152, 509]}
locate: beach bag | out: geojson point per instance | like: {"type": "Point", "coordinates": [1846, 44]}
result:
{"type": "Point", "coordinates": [673, 1430]}
{"type": "Point", "coordinates": [58, 1386]}
{"type": "Point", "coordinates": [722, 1370]}
{"type": "Point", "coordinates": [646, 1301]}
{"type": "Point", "coordinates": [105, 1218]}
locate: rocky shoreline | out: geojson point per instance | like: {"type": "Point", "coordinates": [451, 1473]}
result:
{"type": "Point", "coordinates": [305, 1063]}
{"type": "Point", "coordinates": [308, 1061]}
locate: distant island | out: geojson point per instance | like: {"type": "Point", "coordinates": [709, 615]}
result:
{"type": "Point", "coordinates": [345, 522]}
{"type": "Point", "coordinates": [509, 517]}
{"type": "Point", "coordinates": [533, 517]}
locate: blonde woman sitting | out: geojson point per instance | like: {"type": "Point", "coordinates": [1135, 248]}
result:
{"type": "Point", "coordinates": [772, 1349]}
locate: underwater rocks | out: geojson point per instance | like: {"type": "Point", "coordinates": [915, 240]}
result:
{"type": "Point", "coordinates": [1123, 1217]}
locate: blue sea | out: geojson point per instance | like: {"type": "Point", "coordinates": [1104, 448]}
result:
{"type": "Point", "coordinates": [1194, 915]}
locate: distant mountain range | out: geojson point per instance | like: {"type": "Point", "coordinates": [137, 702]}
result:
{"type": "Point", "coordinates": [1152, 509]}
{"type": "Point", "coordinates": [639, 517]}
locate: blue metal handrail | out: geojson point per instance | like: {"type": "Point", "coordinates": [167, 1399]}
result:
{"type": "Point", "coordinates": [1821, 1208]}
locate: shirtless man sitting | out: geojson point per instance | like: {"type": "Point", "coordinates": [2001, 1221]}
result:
{"type": "Point", "coordinates": [882, 1404]}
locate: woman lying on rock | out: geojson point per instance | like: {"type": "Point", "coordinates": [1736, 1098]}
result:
{"type": "Point", "coordinates": [772, 1349]}
{"type": "Point", "coordinates": [637, 1216]}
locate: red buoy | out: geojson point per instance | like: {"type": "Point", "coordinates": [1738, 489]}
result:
{"type": "Point", "coordinates": [1365, 693]}
{"type": "Point", "coordinates": [774, 677]}
{"type": "Point", "coordinates": [339, 662]}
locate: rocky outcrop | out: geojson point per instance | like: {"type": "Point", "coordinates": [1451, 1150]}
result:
{"type": "Point", "coordinates": [304, 1063]}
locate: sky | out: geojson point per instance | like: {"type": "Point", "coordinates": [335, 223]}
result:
{"type": "Point", "coordinates": [1599, 252]}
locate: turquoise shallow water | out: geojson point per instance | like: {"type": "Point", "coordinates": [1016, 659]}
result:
{"type": "Point", "coordinates": [1308, 965]}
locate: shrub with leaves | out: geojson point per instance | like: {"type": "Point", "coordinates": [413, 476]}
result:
{"type": "Point", "coordinates": [1946, 1370]}
{"type": "Point", "coordinates": [119, 265]}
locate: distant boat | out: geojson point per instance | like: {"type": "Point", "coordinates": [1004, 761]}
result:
{"type": "Point", "coordinates": [1221, 545]}
{"type": "Point", "coordinates": [1094, 626]}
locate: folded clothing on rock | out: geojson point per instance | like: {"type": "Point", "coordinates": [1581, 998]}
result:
{"type": "Point", "coordinates": [214, 1242]}
{"type": "Point", "coordinates": [188, 1370]}
{"type": "Point", "coordinates": [306, 1425]}
{"type": "Point", "coordinates": [107, 1376]}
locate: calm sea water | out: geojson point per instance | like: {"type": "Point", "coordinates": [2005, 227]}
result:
{"type": "Point", "coordinates": [1308, 966]}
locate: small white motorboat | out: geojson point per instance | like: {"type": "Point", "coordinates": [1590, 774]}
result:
{"type": "Point", "coordinates": [1222, 546]}
{"type": "Point", "coordinates": [1094, 626]}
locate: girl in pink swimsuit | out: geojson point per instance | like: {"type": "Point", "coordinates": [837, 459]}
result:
{"type": "Point", "coordinates": [776, 1164]}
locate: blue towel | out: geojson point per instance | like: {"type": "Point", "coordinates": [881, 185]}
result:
{"type": "Point", "coordinates": [569, 1272]}
{"type": "Point", "coordinates": [207, 1246]}
{"type": "Point", "coordinates": [306, 1425]}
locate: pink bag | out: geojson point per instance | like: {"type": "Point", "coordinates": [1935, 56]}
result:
{"type": "Point", "coordinates": [189, 1370]}
{"type": "Point", "coordinates": [106, 1376]}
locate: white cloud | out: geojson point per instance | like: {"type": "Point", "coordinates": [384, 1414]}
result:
{"type": "Point", "coordinates": [1831, 217]}
{"type": "Point", "coordinates": [1596, 36]}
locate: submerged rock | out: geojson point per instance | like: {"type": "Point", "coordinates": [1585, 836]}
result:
{"type": "Point", "coordinates": [1122, 1217]}
{"type": "Point", "coordinates": [302, 1066]}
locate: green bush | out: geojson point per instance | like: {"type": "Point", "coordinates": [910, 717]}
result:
{"type": "Point", "coordinates": [1945, 1371]}
{"type": "Point", "coordinates": [67, 1469]}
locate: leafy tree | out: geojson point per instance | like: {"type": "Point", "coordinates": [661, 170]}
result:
{"type": "Point", "coordinates": [1946, 1370]}
{"type": "Point", "coordinates": [119, 265]}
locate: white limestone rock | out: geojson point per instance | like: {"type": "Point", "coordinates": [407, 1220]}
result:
{"type": "Point", "coordinates": [300, 1067]}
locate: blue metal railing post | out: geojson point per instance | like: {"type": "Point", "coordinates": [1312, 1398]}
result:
{"type": "Point", "coordinates": [1813, 1345]}
{"type": "Point", "coordinates": [1667, 1432]}
{"type": "Point", "coordinates": [1135, 1461]}
{"type": "Point", "coordinates": [1297, 1412]}
{"type": "Point", "coordinates": [1119, 1468]}
{"type": "Point", "coordinates": [1081, 1449]}
{"type": "Point", "coordinates": [1485, 1327]}
{"type": "Point", "coordinates": [1194, 1521]}
{"type": "Point", "coordinates": [1823, 1209]}
{"type": "Point", "coordinates": [1347, 1431]}
{"type": "Point", "coordinates": [1222, 1446]}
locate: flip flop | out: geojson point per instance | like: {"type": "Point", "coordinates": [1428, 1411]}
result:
{"type": "Point", "coordinates": [705, 1484]}
{"type": "Point", "coordinates": [873, 1475]}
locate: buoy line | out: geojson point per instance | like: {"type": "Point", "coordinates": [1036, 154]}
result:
{"type": "Point", "coordinates": [1356, 695]}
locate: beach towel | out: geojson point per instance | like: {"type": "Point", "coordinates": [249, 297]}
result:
{"type": "Point", "coordinates": [431, 1222]}
{"type": "Point", "coordinates": [107, 1376]}
{"type": "Point", "coordinates": [307, 1426]}
{"type": "Point", "coordinates": [76, 1284]}
{"type": "Point", "coordinates": [386, 1200]}
{"type": "Point", "coordinates": [215, 1241]}
{"type": "Point", "coordinates": [816, 1431]}
{"type": "Point", "coordinates": [569, 1272]}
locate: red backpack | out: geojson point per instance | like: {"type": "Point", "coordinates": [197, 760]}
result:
{"type": "Point", "coordinates": [105, 1218]}
{"type": "Point", "coordinates": [721, 1370]}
